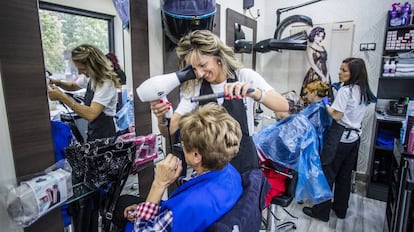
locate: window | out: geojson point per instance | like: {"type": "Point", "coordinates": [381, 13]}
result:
{"type": "Point", "coordinates": [64, 28]}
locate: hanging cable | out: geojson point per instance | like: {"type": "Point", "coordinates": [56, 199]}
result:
{"type": "Point", "coordinates": [251, 15]}
{"type": "Point", "coordinates": [169, 135]}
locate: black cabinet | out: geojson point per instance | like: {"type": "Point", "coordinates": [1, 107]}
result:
{"type": "Point", "coordinates": [387, 129]}
{"type": "Point", "coordinates": [399, 211]}
{"type": "Point", "coordinates": [398, 40]}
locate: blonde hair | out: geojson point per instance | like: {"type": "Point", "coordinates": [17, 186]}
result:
{"type": "Point", "coordinates": [213, 132]}
{"type": "Point", "coordinates": [204, 42]}
{"type": "Point", "coordinates": [99, 66]}
{"type": "Point", "coordinates": [320, 87]}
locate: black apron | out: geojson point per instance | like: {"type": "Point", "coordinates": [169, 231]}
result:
{"type": "Point", "coordinates": [85, 212]}
{"type": "Point", "coordinates": [246, 159]}
{"type": "Point", "coordinates": [332, 140]}
{"type": "Point", "coordinates": [103, 126]}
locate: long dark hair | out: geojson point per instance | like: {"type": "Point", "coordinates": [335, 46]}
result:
{"type": "Point", "coordinates": [359, 76]}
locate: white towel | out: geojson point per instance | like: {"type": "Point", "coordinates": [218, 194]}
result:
{"type": "Point", "coordinates": [405, 69]}
{"type": "Point", "coordinates": [406, 55]}
{"type": "Point", "coordinates": [404, 74]}
{"type": "Point", "coordinates": [406, 61]}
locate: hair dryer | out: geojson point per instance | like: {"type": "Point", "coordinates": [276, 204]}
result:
{"type": "Point", "coordinates": [160, 86]}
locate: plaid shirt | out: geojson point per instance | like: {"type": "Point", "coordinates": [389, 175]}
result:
{"type": "Point", "coordinates": [149, 218]}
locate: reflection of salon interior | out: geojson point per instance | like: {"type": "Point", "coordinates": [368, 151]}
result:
{"type": "Point", "coordinates": [270, 37]}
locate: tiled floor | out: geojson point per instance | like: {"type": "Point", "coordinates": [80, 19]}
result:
{"type": "Point", "coordinates": [364, 214]}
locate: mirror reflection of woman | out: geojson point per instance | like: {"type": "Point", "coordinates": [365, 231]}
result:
{"type": "Point", "coordinates": [317, 57]}
{"type": "Point", "coordinates": [101, 97]}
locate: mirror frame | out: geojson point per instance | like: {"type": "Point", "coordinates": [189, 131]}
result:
{"type": "Point", "coordinates": [235, 17]}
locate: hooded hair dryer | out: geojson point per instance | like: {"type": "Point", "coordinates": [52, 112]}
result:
{"type": "Point", "coordinates": [160, 86]}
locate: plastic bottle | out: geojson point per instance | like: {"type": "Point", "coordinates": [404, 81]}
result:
{"type": "Point", "coordinates": [393, 68]}
{"type": "Point", "coordinates": [386, 72]}
{"type": "Point", "coordinates": [395, 20]}
{"type": "Point", "coordinates": [33, 198]}
{"type": "Point", "coordinates": [410, 146]}
{"type": "Point", "coordinates": [405, 14]}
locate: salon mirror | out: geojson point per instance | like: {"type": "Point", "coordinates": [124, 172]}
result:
{"type": "Point", "coordinates": [241, 35]}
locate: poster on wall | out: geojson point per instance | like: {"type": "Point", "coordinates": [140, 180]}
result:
{"type": "Point", "coordinates": [338, 43]}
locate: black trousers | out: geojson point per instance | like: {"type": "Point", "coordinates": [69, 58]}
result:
{"type": "Point", "coordinates": [339, 173]}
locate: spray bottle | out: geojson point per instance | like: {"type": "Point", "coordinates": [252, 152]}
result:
{"type": "Point", "coordinates": [386, 72]}
{"type": "Point", "coordinates": [395, 20]}
{"type": "Point", "coordinates": [393, 68]}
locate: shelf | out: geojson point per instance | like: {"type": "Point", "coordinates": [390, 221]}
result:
{"type": "Point", "coordinates": [390, 28]}
{"type": "Point", "coordinates": [389, 118]}
{"type": "Point", "coordinates": [392, 51]}
{"type": "Point", "coordinates": [398, 78]}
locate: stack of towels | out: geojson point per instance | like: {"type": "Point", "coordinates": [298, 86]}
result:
{"type": "Point", "coordinates": [405, 65]}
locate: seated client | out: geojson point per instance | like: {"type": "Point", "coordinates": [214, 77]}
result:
{"type": "Point", "coordinates": [210, 138]}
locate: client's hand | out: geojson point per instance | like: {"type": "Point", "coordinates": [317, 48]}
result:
{"type": "Point", "coordinates": [168, 170]}
{"type": "Point", "coordinates": [129, 212]}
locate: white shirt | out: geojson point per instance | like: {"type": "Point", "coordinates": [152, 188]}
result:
{"type": "Point", "coordinates": [243, 75]}
{"type": "Point", "coordinates": [106, 94]}
{"type": "Point", "coordinates": [82, 81]}
{"type": "Point", "coordinates": [347, 101]}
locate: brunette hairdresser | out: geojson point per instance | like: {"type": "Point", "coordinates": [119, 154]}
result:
{"type": "Point", "coordinates": [341, 146]}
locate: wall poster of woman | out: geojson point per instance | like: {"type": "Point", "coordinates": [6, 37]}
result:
{"type": "Point", "coordinates": [317, 57]}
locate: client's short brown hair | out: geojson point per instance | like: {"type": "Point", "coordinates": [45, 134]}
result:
{"type": "Point", "coordinates": [213, 132]}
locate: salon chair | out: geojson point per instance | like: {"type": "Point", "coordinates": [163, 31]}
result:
{"type": "Point", "coordinates": [282, 201]}
{"type": "Point", "coordinates": [247, 213]}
